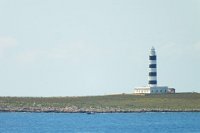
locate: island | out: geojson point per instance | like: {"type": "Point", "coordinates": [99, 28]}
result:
{"type": "Point", "coordinates": [121, 103]}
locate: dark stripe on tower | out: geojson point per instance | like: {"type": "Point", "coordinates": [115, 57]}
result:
{"type": "Point", "coordinates": [152, 82]}
{"type": "Point", "coordinates": [152, 66]}
{"type": "Point", "coordinates": [152, 57]}
{"type": "Point", "coordinates": [152, 74]}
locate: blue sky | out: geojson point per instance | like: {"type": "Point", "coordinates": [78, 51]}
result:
{"type": "Point", "coordinates": [73, 48]}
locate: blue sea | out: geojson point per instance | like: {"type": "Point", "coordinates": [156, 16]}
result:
{"type": "Point", "coordinates": [100, 123]}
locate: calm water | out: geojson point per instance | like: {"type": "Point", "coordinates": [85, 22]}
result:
{"type": "Point", "coordinates": [100, 123]}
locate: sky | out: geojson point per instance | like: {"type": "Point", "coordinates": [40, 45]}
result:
{"type": "Point", "coordinates": [97, 47]}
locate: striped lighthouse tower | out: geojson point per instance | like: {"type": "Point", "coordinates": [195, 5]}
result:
{"type": "Point", "coordinates": [152, 68]}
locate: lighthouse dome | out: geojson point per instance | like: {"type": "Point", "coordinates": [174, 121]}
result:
{"type": "Point", "coordinates": [152, 51]}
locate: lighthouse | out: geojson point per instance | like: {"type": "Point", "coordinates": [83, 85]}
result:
{"type": "Point", "coordinates": [152, 87]}
{"type": "Point", "coordinates": [152, 68]}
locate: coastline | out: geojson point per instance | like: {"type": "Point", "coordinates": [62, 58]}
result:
{"type": "Point", "coordinates": [65, 110]}
{"type": "Point", "coordinates": [154, 111]}
{"type": "Point", "coordinates": [122, 103]}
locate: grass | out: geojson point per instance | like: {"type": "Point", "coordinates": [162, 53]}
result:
{"type": "Point", "coordinates": [179, 101]}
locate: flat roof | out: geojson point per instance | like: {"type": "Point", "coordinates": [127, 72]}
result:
{"type": "Point", "coordinates": [148, 87]}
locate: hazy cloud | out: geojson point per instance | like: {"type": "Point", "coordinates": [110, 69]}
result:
{"type": "Point", "coordinates": [178, 50]}
{"type": "Point", "coordinates": [172, 49]}
{"type": "Point", "coordinates": [6, 43]}
{"type": "Point", "coordinates": [69, 52]}
{"type": "Point", "coordinates": [197, 46]}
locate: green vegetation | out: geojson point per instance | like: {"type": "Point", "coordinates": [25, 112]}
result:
{"type": "Point", "coordinates": [116, 103]}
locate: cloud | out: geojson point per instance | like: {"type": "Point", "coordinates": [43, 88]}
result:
{"type": "Point", "coordinates": [180, 51]}
{"type": "Point", "coordinates": [34, 55]}
{"type": "Point", "coordinates": [6, 43]}
{"type": "Point", "coordinates": [72, 52]}
{"type": "Point", "coordinates": [27, 56]}
{"type": "Point", "coordinates": [172, 50]}
{"type": "Point", "coordinates": [197, 46]}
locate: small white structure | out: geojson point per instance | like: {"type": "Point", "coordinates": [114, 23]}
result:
{"type": "Point", "coordinates": [171, 90]}
{"type": "Point", "coordinates": [152, 87]}
{"type": "Point", "coordinates": [152, 90]}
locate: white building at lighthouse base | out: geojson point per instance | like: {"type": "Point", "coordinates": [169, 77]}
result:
{"type": "Point", "coordinates": [152, 87]}
{"type": "Point", "coordinates": [152, 90]}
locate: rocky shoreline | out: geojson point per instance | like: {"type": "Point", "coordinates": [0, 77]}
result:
{"type": "Point", "coordinates": [75, 109]}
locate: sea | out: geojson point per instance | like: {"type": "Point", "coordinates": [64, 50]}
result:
{"type": "Point", "coordinates": [160, 122]}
